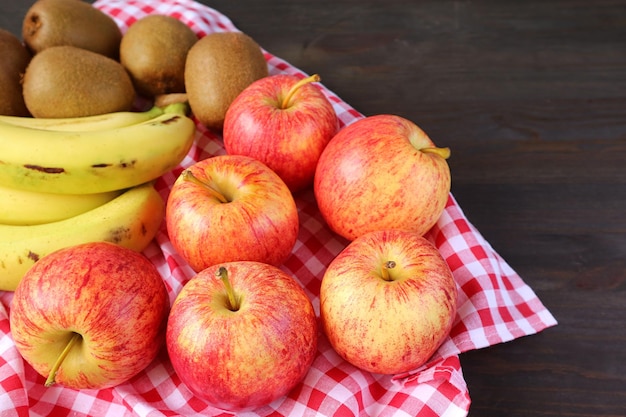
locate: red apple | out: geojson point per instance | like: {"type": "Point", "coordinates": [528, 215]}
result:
{"type": "Point", "coordinates": [231, 208]}
{"type": "Point", "coordinates": [388, 301]}
{"type": "Point", "coordinates": [381, 172]}
{"type": "Point", "coordinates": [283, 121]}
{"type": "Point", "coordinates": [90, 316]}
{"type": "Point", "coordinates": [241, 335]}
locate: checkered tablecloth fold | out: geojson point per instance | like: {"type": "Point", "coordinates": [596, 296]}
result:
{"type": "Point", "coordinates": [495, 305]}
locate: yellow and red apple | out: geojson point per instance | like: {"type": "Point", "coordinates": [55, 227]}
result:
{"type": "Point", "coordinates": [388, 301]}
{"type": "Point", "coordinates": [285, 122]}
{"type": "Point", "coordinates": [241, 334]}
{"type": "Point", "coordinates": [381, 172]}
{"type": "Point", "coordinates": [90, 316]}
{"type": "Point", "coordinates": [231, 208]}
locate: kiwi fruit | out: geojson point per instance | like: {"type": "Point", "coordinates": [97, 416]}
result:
{"type": "Point", "coordinates": [153, 51]}
{"type": "Point", "coordinates": [15, 58]}
{"type": "Point", "coordinates": [70, 22]}
{"type": "Point", "coordinates": [219, 67]}
{"type": "Point", "coordinates": [66, 81]}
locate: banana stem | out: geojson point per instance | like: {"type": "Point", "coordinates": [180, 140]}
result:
{"type": "Point", "coordinates": [188, 176]}
{"type": "Point", "coordinates": [384, 271]}
{"type": "Point", "coordinates": [55, 367]}
{"type": "Point", "coordinates": [310, 79]}
{"type": "Point", "coordinates": [442, 152]}
{"type": "Point", "coordinates": [154, 111]}
{"type": "Point", "coordinates": [233, 302]}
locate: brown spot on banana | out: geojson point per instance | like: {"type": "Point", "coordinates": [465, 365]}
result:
{"type": "Point", "coordinates": [170, 120]}
{"type": "Point", "coordinates": [119, 235]}
{"type": "Point", "coordinates": [122, 164]}
{"type": "Point", "coordinates": [47, 170]}
{"type": "Point", "coordinates": [128, 164]}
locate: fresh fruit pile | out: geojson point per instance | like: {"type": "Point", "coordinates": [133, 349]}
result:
{"type": "Point", "coordinates": [387, 301]}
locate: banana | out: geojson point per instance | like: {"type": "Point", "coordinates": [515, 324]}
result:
{"type": "Point", "coordinates": [131, 220]}
{"type": "Point", "coordinates": [84, 124]}
{"type": "Point", "coordinates": [88, 162]}
{"type": "Point", "coordinates": [20, 207]}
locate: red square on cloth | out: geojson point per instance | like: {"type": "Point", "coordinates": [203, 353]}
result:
{"type": "Point", "coordinates": [494, 306]}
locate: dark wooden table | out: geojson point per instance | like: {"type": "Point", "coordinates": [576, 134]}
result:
{"type": "Point", "coordinates": [531, 97]}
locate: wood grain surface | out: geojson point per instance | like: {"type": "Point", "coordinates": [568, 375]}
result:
{"type": "Point", "coordinates": [531, 98]}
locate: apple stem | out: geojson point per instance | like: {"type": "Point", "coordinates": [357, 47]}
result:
{"type": "Point", "coordinates": [55, 367]}
{"type": "Point", "coordinates": [232, 299]}
{"type": "Point", "coordinates": [310, 79]}
{"type": "Point", "coordinates": [385, 270]}
{"type": "Point", "coordinates": [188, 176]}
{"type": "Point", "coordinates": [442, 152]}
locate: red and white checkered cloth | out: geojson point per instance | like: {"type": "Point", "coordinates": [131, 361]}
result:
{"type": "Point", "coordinates": [495, 305]}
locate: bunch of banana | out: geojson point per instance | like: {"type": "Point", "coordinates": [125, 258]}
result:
{"type": "Point", "coordinates": [68, 181]}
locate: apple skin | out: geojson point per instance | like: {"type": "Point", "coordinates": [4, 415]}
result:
{"type": "Point", "coordinates": [112, 296]}
{"type": "Point", "coordinates": [258, 223]}
{"type": "Point", "coordinates": [287, 138]}
{"type": "Point", "coordinates": [244, 359]}
{"type": "Point", "coordinates": [388, 327]}
{"type": "Point", "coordinates": [376, 174]}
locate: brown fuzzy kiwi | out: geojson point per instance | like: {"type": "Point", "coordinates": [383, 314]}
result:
{"type": "Point", "coordinates": [153, 51]}
{"type": "Point", "coordinates": [70, 22]}
{"type": "Point", "coordinates": [219, 67]}
{"type": "Point", "coordinates": [65, 81]}
{"type": "Point", "coordinates": [15, 58]}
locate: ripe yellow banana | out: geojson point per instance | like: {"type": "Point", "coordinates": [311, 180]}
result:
{"type": "Point", "coordinates": [20, 207]}
{"type": "Point", "coordinates": [88, 162]}
{"type": "Point", "coordinates": [131, 220]}
{"type": "Point", "coordinates": [84, 124]}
